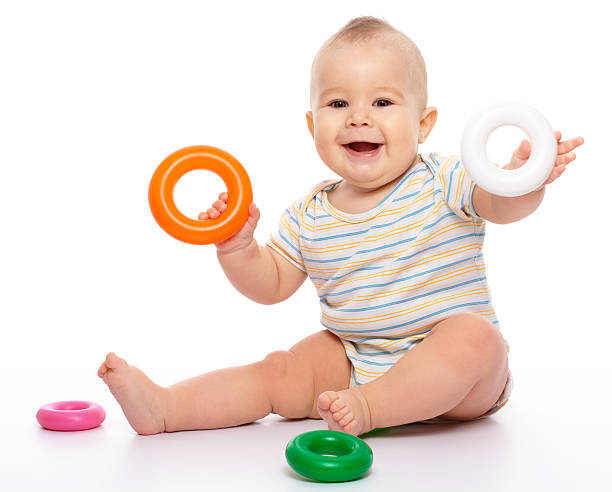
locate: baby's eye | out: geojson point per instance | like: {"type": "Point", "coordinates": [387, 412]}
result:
{"type": "Point", "coordinates": [338, 104]}
{"type": "Point", "coordinates": [384, 102]}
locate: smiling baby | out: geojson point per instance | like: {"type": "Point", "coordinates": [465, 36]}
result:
{"type": "Point", "coordinates": [394, 250]}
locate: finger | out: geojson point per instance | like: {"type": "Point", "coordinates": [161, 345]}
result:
{"type": "Point", "coordinates": [203, 216]}
{"type": "Point", "coordinates": [571, 144]}
{"type": "Point", "coordinates": [565, 159]}
{"type": "Point", "coordinates": [213, 213]}
{"type": "Point", "coordinates": [223, 196]}
{"type": "Point", "coordinates": [522, 151]}
{"type": "Point", "coordinates": [220, 205]}
{"type": "Point", "coordinates": [558, 171]}
{"type": "Point", "coordinates": [254, 215]}
{"type": "Point", "coordinates": [557, 135]}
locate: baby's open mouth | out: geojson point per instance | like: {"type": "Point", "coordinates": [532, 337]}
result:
{"type": "Point", "coordinates": [363, 149]}
{"type": "Point", "coordinates": [363, 146]}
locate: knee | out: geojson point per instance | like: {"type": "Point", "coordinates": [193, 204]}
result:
{"type": "Point", "coordinates": [485, 338]}
{"type": "Point", "coordinates": [277, 363]}
{"type": "Point", "coordinates": [481, 337]}
{"type": "Point", "coordinates": [274, 369]}
{"type": "Point", "coordinates": [286, 382]}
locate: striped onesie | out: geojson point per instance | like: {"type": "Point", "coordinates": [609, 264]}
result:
{"type": "Point", "coordinates": [385, 277]}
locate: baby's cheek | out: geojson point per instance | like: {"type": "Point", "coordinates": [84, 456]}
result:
{"type": "Point", "coordinates": [331, 155]}
{"type": "Point", "coordinates": [324, 150]}
{"type": "Point", "coordinates": [323, 140]}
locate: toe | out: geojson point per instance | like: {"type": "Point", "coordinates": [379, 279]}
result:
{"type": "Point", "coordinates": [326, 399]}
{"type": "Point", "coordinates": [113, 361]}
{"type": "Point", "coordinates": [341, 413]}
{"type": "Point", "coordinates": [346, 420]}
{"type": "Point", "coordinates": [351, 428]}
{"type": "Point", "coordinates": [338, 405]}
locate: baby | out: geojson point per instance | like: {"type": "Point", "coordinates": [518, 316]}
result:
{"type": "Point", "coordinates": [394, 250]}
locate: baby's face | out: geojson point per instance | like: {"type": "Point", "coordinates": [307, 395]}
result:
{"type": "Point", "coordinates": [365, 118]}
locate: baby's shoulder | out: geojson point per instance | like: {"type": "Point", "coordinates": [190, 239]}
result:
{"type": "Point", "coordinates": [439, 160]}
{"type": "Point", "coordinates": [313, 196]}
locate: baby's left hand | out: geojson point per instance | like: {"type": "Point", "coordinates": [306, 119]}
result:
{"type": "Point", "coordinates": [564, 156]}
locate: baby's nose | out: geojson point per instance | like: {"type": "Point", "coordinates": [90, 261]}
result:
{"type": "Point", "coordinates": [358, 117]}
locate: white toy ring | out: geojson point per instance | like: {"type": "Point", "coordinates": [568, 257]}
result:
{"type": "Point", "coordinates": [504, 182]}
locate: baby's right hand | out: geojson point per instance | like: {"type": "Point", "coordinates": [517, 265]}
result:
{"type": "Point", "coordinates": [244, 236]}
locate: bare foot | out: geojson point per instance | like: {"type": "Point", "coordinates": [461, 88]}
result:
{"type": "Point", "coordinates": [142, 401]}
{"type": "Point", "coordinates": [345, 411]}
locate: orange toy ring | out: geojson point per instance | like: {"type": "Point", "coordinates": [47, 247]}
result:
{"type": "Point", "coordinates": [177, 164]}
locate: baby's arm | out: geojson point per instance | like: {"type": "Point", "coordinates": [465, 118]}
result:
{"type": "Point", "coordinates": [503, 210]}
{"type": "Point", "coordinates": [256, 271]}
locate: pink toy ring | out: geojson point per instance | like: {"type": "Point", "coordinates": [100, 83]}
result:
{"type": "Point", "coordinates": [74, 415]}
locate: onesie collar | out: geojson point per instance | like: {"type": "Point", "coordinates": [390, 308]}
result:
{"type": "Point", "coordinates": [373, 212]}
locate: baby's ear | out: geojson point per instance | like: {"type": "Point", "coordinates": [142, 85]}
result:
{"type": "Point", "coordinates": [310, 121]}
{"type": "Point", "coordinates": [428, 120]}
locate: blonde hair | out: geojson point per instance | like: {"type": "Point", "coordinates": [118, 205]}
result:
{"type": "Point", "coordinates": [362, 29]}
{"type": "Point", "coordinates": [368, 28]}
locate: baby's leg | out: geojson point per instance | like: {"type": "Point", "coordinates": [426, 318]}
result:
{"type": "Point", "coordinates": [284, 382]}
{"type": "Point", "coordinates": [458, 372]}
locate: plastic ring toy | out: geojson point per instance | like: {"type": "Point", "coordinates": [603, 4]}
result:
{"type": "Point", "coordinates": [73, 415]}
{"type": "Point", "coordinates": [329, 456]}
{"type": "Point", "coordinates": [227, 167]}
{"type": "Point", "coordinates": [504, 182]}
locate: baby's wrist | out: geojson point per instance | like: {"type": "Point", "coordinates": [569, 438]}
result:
{"type": "Point", "coordinates": [242, 248]}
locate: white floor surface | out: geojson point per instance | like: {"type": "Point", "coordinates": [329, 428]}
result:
{"type": "Point", "coordinates": [526, 446]}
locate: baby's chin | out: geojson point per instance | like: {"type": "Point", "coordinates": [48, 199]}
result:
{"type": "Point", "coordinates": [367, 181]}
{"type": "Point", "coordinates": [372, 176]}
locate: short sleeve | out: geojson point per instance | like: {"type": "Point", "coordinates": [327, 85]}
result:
{"type": "Point", "coordinates": [286, 240]}
{"type": "Point", "coordinates": [457, 187]}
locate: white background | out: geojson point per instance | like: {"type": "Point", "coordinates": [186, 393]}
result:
{"type": "Point", "coordinates": [94, 95]}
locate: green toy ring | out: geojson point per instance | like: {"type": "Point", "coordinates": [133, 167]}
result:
{"type": "Point", "coordinates": [329, 456]}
